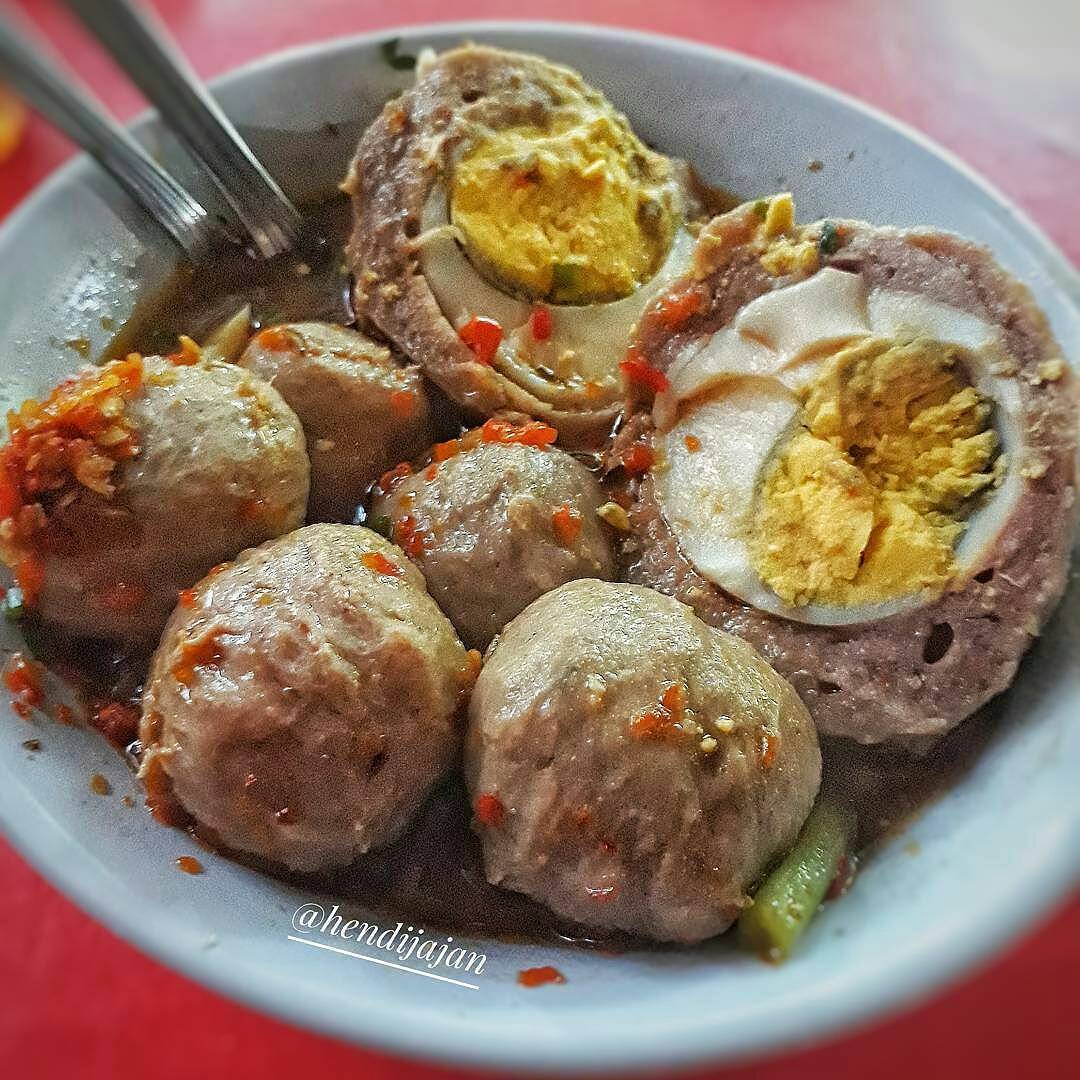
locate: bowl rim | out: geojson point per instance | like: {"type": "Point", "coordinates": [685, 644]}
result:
{"type": "Point", "coordinates": [941, 957]}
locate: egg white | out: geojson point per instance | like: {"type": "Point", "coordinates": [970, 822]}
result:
{"type": "Point", "coordinates": [736, 393]}
{"type": "Point", "coordinates": [597, 334]}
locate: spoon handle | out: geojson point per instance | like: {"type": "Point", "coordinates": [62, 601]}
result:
{"type": "Point", "coordinates": [69, 106]}
{"type": "Point", "coordinates": [141, 47]}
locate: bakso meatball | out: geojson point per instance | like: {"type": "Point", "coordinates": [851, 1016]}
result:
{"type": "Point", "coordinates": [509, 228]}
{"type": "Point", "coordinates": [856, 449]}
{"type": "Point", "coordinates": [303, 700]}
{"type": "Point", "coordinates": [631, 767]}
{"type": "Point", "coordinates": [130, 481]}
{"type": "Point", "coordinates": [494, 523]}
{"type": "Point", "coordinates": [362, 412]}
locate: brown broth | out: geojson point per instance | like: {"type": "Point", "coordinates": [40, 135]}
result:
{"type": "Point", "coordinates": [310, 283]}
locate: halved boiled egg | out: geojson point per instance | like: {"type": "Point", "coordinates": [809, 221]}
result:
{"type": "Point", "coordinates": [839, 452]}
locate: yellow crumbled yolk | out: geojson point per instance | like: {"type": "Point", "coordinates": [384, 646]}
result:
{"type": "Point", "coordinates": [866, 501]}
{"type": "Point", "coordinates": [787, 256]}
{"type": "Point", "coordinates": [577, 214]}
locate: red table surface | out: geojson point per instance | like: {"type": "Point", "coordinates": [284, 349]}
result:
{"type": "Point", "coordinates": [996, 83]}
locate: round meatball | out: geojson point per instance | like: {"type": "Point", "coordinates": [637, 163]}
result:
{"type": "Point", "coordinates": [136, 478]}
{"type": "Point", "coordinates": [303, 700]}
{"type": "Point", "coordinates": [495, 526]}
{"type": "Point", "coordinates": [630, 766]}
{"type": "Point", "coordinates": [361, 411]}
{"type": "Point", "coordinates": [496, 181]}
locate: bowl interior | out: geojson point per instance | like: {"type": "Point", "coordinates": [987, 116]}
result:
{"type": "Point", "coordinates": [976, 866]}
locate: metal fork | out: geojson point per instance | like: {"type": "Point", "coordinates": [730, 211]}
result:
{"type": "Point", "coordinates": [139, 44]}
{"type": "Point", "coordinates": [70, 106]}
{"type": "Point", "coordinates": [156, 66]}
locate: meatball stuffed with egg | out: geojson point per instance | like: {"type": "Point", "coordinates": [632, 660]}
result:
{"type": "Point", "coordinates": [854, 446]}
{"type": "Point", "coordinates": [509, 229]}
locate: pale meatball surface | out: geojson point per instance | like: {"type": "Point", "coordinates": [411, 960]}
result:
{"type": "Point", "coordinates": [304, 701]}
{"type": "Point", "coordinates": [631, 767]}
{"type": "Point", "coordinates": [213, 462]}
{"type": "Point", "coordinates": [495, 526]}
{"type": "Point", "coordinates": [361, 410]}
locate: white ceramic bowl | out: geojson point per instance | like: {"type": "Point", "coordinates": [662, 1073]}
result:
{"type": "Point", "coordinates": [995, 852]}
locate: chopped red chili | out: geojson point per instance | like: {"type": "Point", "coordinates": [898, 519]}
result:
{"type": "Point", "coordinates": [22, 677]}
{"type": "Point", "coordinates": [638, 459]}
{"type": "Point", "coordinates": [377, 562]}
{"type": "Point", "coordinates": [403, 403]}
{"type": "Point", "coordinates": [540, 323]}
{"type": "Point", "coordinates": [540, 976]}
{"type": "Point", "coordinates": [276, 339]}
{"type": "Point", "coordinates": [531, 433]}
{"type": "Point", "coordinates": [188, 355]}
{"type": "Point", "coordinates": [663, 720]}
{"type": "Point", "coordinates": [489, 810]}
{"type": "Point", "coordinates": [71, 440]}
{"type": "Point", "coordinates": [677, 308]}
{"type": "Point", "coordinates": [770, 747]}
{"type": "Point", "coordinates": [30, 577]}
{"type": "Point", "coordinates": [473, 663]}
{"type": "Point", "coordinates": [393, 477]}
{"type": "Point", "coordinates": [442, 451]}
{"type": "Point", "coordinates": [692, 443]}
{"type": "Point", "coordinates": [567, 525]}
{"type": "Point", "coordinates": [205, 652]}
{"type": "Point", "coordinates": [118, 721]}
{"type": "Point", "coordinates": [638, 370]}
{"type": "Point", "coordinates": [189, 864]}
{"type": "Point", "coordinates": [9, 495]}
{"type": "Point", "coordinates": [483, 336]}
{"type": "Point", "coordinates": [411, 539]}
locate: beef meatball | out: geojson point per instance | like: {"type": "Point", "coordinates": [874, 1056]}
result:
{"type": "Point", "coordinates": [130, 481]}
{"type": "Point", "coordinates": [362, 412]}
{"type": "Point", "coordinates": [632, 767]}
{"type": "Point", "coordinates": [498, 182]}
{"type": "Point", "coordinates": [303, 700]}
{"type": "Point", "coordinates": [861, 459]}
{"type": "Point", "coordinates": [497, 524]}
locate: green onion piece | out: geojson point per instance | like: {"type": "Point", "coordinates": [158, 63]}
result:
{"type": "Point", "coordinates": [564, 276]}
{"type": "Point", "coordinates": [790, 896]}
{"type": "Point", "coordinates": [14, 604]}
{"type": "Point", "coordinates": [398, 61]}
{"type": "Point", "coordinates": [381, 524]}
{"type": "Point", "coordinates": [830, 238]}
{"type": "Point", "coordinates": [761, 208]}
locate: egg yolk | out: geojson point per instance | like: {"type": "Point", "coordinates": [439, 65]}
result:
{"type": "Point", "coordinates": [581, 213]}
{"type": "Point", "coordinates": [866, 501]}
